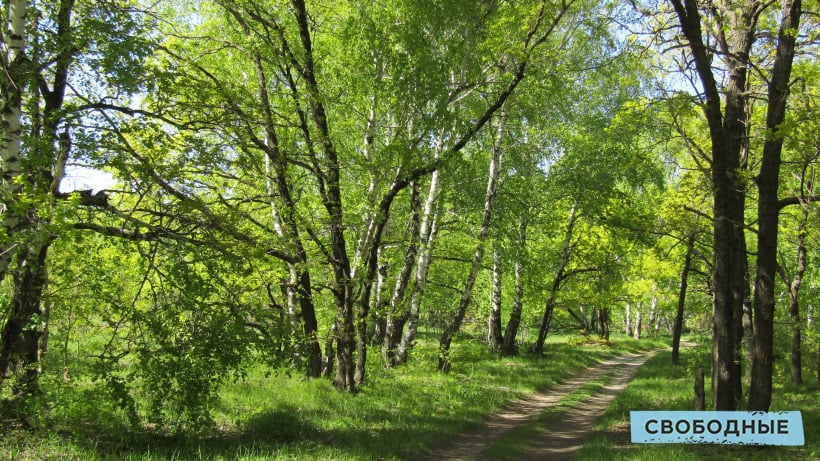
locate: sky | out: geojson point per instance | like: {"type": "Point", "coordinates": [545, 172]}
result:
{"type": "Point", "coordinates": [84, 178]}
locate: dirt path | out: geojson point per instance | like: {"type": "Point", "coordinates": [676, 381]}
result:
{"type": "Point", "coordinates": [554, 443]}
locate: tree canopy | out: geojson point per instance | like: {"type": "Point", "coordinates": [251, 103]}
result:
{"type": "Point", "coordinates": [299, 183]}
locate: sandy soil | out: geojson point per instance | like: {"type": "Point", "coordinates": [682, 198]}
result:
{"type": "Point", "coordinates": [552, 443]}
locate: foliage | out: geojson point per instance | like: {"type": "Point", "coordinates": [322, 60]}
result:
{"type": "Point", "coordinates": [265, 159]}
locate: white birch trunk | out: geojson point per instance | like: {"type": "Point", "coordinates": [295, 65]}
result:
{"type": "Point", "coordinates": [483, 232]}
{"type": "Point", "coordinates": [628, 319]}
{"type": "Point", "coordinates": [13, 49]}
{"type": "Point", "coordinates": [494, 334]}
{"type": "Point", "coordinates": [427, 240]}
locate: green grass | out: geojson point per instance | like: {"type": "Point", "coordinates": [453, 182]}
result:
{"type": "Point", "coordinates": [659, 385]}
{"type": "Point", "coordinates": [398, 414]}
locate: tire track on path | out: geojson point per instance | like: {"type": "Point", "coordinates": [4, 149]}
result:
{"type": "Point", "coordinates": [554, 443]}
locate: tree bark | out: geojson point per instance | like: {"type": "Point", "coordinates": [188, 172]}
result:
{"type": "Point", "coordinates": [427, 236]}
{"type": "Point", "coordinates": [768, 209]}
{"type": "Point", "coordinates": [796, 361]}
{"type": "Point", "coordinates": [484, 231]}
{"type": "Point", "coordinates": [298, 289]}
{"type": "Point", "coordinates": [514, 321]}
{"type": "Point", "coordinates": [677, 328]}
{"type": "Point", "coordinates": [603, 323]}
{"type": "Point", "coordinates": [22, 335]}
{"type": "Point", "coordinates": [20, 338]}
{"type": "Point", "coordinates": [494, 331]}
{"type": "Point", "coordinates": [628, 320]}
{"type": "Point", "coordinates": [566, 253]}
{"type": "Point", "coordinates": [653, 314]}
{"type": "Point", "coordinates": [700, 392]}
{"type": "Point", "coordinates": [15, 67]}
{"type": "Point", "coordinates": [727, 130]}
{"type": "Point", "coordinates": [398, 313]}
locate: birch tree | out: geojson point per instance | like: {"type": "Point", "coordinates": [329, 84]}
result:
{"type": "Point", "coordinates": [50, 46]}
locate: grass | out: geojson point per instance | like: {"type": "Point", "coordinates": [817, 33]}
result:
{"type": "Point", "coordinates": [659, 385]}
{"type": "Point", "coordinates": [399, 413]}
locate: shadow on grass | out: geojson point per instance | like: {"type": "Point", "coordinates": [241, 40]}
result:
{"type": "Point", "coordinates": [398, 414]}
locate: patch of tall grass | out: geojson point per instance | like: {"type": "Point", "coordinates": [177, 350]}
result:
{"type": "Point", "coordinates": [398, 414]}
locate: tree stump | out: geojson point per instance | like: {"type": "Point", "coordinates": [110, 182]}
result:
{"type": "Point", "coordinates": [700, 394]}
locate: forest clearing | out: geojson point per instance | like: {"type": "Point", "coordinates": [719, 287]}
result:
{"type": "Point", "coordinates": [301, 229]}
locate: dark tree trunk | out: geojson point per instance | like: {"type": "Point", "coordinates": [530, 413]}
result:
{"type": "Point", "coordinates": [677, 328]}
{"type": "Point", "coordinates": [603, 323]}
{"type": "Point", "coordinates": [298, 291]}
{"type": "Point", "coordinates": [515, 313]}
{"type": "Point", "coordinates": [700, 391]}
{"type": "Point", "coordinates": [310, 325]}
{"type": "Point", "coordinates": [760, 392]}
{"type": "Point", "coordinates": [566, 253]}
{"type": "Point", "coordinates": [20, 339]}
{"type": "Point", "coordinates": [727, 133]}
{"type": "Point", "coordinates": [796, 361]}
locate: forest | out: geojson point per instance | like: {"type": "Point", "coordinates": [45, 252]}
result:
{"type": "Point", "coordinates": [195, 192]}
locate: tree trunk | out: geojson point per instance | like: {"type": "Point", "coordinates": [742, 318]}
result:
{"type": "Point", "coordinates": [514, 321]}
{"type": "Point", "coordinates": [677, 328]}
{"type": "Point", "coordinates": [760, 392]}
{"type": "Point", "coordinates": [13, 85]}
{"type": "Point", "coordinates": [566, 253]}
{"type": "Point", "coordinates": [628, 320]}
{"type": "Point", "coordinates": [397, 313]}
{"type": "Point", "coordinates": [796, 362]}
{"type": "Point", "coordinates": [495, 338]}
{"type": "Point", "coordinates": [603, 323]}
{"type": "Point", "coordinates": [700, 391]}
{"type": "Point", "coordinates": [638, 324]}
{"type": "Point", "coordinates": [467, 291]}
{"type": "Point", "coordinates": [329, 359]}
{"type": "Point", "coordinates": [298, 289]}
{"type": "Point", "coordinates": [653, 315]}
{"type": "Point", "coordinates": [381, 302]}
{"type": "Point", "coordinates": [20, 340]}
{"type": "Point", "coordinates": [727, 130]}
{"type": "Point", "coordinates": [427, 238]}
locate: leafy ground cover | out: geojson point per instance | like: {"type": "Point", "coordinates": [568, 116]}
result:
{"type": "Point", "coordinates": [398, 415]}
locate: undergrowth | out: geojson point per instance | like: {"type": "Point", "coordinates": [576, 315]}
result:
{"type": "Point", "coordinates": [399, 413]}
